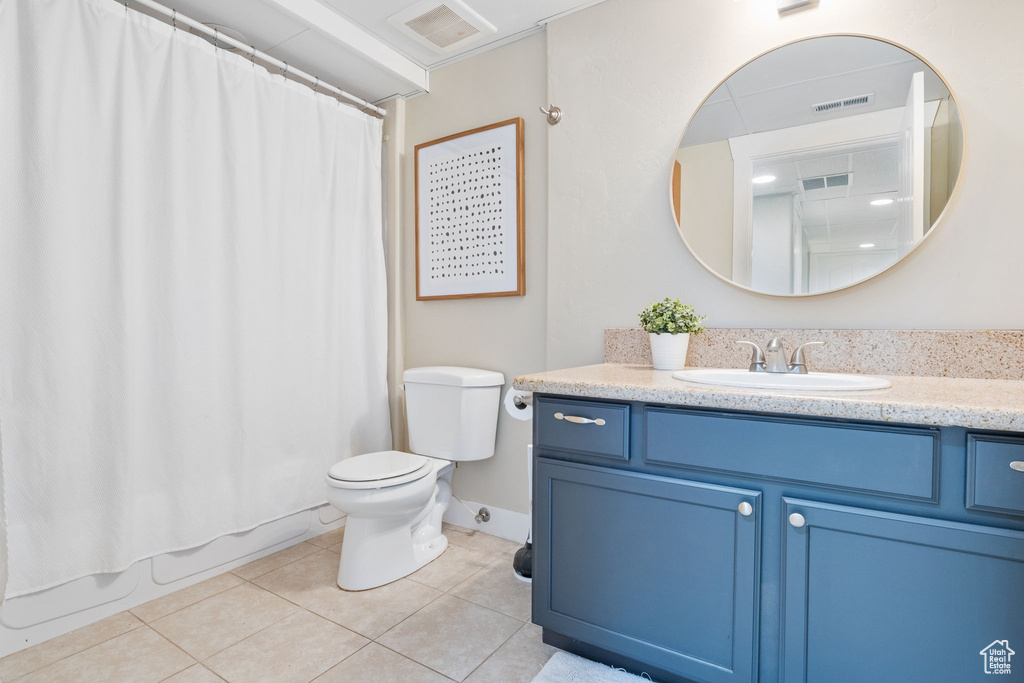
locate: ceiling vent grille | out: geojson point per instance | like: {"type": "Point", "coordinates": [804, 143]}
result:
{"type": "Point", "coordinates": [834, 105]}
{"type": "Point", "coordinates": [828, 181]}
{"type": "Point", "coordinates": [442, 26]}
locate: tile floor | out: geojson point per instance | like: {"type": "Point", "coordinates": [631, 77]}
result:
{"type": "Point", "coordinates": [282, 619]}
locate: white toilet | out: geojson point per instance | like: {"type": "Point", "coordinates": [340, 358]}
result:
{"type": "Point", "coordinates": [395, 500]}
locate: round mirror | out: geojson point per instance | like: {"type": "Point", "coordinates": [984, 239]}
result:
{"type": "Point", "coordinates": [817, 165]}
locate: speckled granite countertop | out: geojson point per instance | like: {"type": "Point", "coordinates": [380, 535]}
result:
{"type": "Point", "coordinates": [943, 401]}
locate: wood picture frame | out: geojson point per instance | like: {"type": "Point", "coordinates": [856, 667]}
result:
{"type": "Point", "coordinates": [470, 214]}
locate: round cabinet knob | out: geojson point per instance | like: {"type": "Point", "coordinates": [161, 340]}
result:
{"type": "Point", "coordinates": [797, 520]}
{"type": "Point", "coordinates": [746, 509]}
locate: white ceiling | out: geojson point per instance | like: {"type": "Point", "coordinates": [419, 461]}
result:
{"type": "Point", "coordinates": [282, 28]}
{"type": "Point", "coordinates": [779, 89]}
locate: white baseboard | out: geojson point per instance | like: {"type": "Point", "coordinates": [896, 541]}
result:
{"type": "Point", "coordinates": [506, 524]}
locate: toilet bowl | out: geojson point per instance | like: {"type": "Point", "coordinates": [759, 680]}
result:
{"type": "Point", "coordinates": [395, 500]}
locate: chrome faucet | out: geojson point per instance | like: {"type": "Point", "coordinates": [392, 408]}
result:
{"type": "Point", "coordinates": [773, 357]}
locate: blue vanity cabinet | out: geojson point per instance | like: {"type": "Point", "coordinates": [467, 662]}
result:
{"type": "Point", "coordinates": [869, 595]}
{"type": "Point", "coordinates": [663, 572]}
{"type": "Point", "coordinates": [722, 545]}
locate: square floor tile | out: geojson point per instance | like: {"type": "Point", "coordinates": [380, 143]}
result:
{"type": "Point", "coordinates": [267, 564]}
{"type": "Point", "coordinates": [451, 636]}
{"type": "Point", "coordinates": [36, 657]}
{"type": "Point", "coordinates": [303, 579]}
{"type": "Point", "coordinates": [498, 588]}
{"type": "Point", "coordinates": [312, 583]}
{"type": "Point", "coordinates": [519, 660]}
{"type": "Point", "coordinates": [294, 650]}
{"type": "Point", "coordinates": [333, 537]}
{"type": "Point", "coordinates": [455, 564]}
{"type": "Point", "coordinates": [478, 540]}
{"type": "Point", "coordinates": [375, 664]}
{"type": "Point", "coordinates": [139, 656]}
{"type": "Point", "coordinates": [208, 627]}
{"type": "Point", "coordinates": [180, 599]}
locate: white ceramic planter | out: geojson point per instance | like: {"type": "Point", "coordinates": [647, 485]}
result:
{"type": "Point", "coordinates": [669, 350]}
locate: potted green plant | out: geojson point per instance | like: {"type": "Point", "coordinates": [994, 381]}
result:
{"type": "Point", "coordinates": [670, 324]}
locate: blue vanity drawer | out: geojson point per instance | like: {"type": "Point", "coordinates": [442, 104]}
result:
{"type": "Point", "coordinates": [586, 427]}
{"type": "Point", "coordinates": [995, 474]}
{"type": "Point", "coordinates": [892, 461]}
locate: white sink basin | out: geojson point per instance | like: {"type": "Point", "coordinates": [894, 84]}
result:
{"type": "Point", "coordinates": [812, 381]}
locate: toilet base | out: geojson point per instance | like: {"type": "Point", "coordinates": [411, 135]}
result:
{"type": "Point", "coordinates": [377, 551]}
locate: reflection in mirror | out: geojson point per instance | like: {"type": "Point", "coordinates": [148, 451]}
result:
{"type": "Point", "coordinates": [817, 165]}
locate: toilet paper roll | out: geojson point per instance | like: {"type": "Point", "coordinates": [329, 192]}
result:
{"type": "Point", "coordinates": [522, 411]}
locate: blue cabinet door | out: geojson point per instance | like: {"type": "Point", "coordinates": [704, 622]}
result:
{"type": "Point", "coordinates": [661, 571]}
{"type": "Point", "coordinates": [873, 596]}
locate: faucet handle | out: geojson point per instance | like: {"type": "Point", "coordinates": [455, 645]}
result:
{"type": "Point", "coordinates": [757, 359]}
{"type": "Point", "coordinates": [797, 363]}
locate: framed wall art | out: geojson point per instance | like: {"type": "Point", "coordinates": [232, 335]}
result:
{"type": "Point", "coordinates": [470, 220]}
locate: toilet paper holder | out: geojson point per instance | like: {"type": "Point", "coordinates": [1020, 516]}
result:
{"type": "Point", "coordinates": [522, 402]}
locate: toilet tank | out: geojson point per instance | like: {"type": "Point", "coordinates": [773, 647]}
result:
{"type": "Point", "coordinates": [452, 412]}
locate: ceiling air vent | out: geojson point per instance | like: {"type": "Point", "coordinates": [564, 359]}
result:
{"type": "Point", "coordinates": [821, 182]}
{"type": "Point", "coordinates": [835, 105]}
{"type": "Point", "coordinates": [443, 26]}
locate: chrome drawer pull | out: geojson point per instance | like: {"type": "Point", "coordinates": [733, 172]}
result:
{"type": "Point", "coordinates": [579, 420]}
{"type": "Point", "coordinates": [797, 520]}
{"type": "Point", "coordinates": [1017, 465]}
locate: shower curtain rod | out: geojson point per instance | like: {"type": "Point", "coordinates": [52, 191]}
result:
{"type": "Point", "coordinates": [252, 53]}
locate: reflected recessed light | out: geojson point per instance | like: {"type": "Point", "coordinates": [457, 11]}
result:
{"type": "Point", "coordinates": [867, 245]}
{"type": "Point", "coordinates": [762, 179]}
{"type": "Point", "coordinates": [881, 202]}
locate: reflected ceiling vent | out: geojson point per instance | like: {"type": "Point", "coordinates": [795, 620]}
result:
{"type": "Point", "coordinates": [443, 26]}
{"type": "Point", "coordinates": [835, 105]}
{"type": "Point", "coordinates": [822, 182]}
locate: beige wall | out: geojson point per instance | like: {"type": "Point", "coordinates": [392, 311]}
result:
{"type": "Point", "coordinates": [705, 202]}
{"type": "Point", "coordinates": [507, 333]}
{"type": "Point", "coordinates": [628, 74]}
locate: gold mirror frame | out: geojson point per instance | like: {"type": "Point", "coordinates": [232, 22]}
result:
{"type": "Point", "coordinates": [952, 197]}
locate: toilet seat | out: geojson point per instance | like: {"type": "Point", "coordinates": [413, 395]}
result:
{"type": "Point", "coordinates": [377, 470]}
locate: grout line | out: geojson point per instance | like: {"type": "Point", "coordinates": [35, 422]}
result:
{"type": "Point", "coordinates": [141, 624]}
{"type": "Point", "coordinates": [488, 657]}
{"type": "Point", "coordinates": [358, 650]}
{"type": "Point", "coordinates": [212, 595]}
{"type": "Point", "coordinates": [178, 647]}
{"type": "Point", "coordinates": [425, 666]}
{"type": "Point", "coordinates": [207, 658]}
{"type": "Point", "coordinates": [437, 597]}
{"type": "Point", "coordinates": [286, 564]}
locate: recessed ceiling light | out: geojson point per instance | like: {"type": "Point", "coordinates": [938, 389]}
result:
{"type": "Point", "coordinates": [762, 179]}
{"type": "Point", "coordinates": [881, 202]}
{"type": "Point", "coordinates": [867, 245]}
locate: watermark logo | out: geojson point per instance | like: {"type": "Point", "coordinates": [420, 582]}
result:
{"type": "Point", "coordinates": [997, 657]}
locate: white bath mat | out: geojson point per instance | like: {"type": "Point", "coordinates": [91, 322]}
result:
{"type": "Point", "coordinates": [566, 668]}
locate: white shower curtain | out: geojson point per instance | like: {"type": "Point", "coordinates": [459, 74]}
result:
{"type": "Point", "coordinates": [192, 290]}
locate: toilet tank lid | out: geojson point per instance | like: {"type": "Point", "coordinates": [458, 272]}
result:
{"type": "Point", "coordinates": [454, 376]}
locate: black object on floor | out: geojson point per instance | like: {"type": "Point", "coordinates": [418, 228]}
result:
{"type": "Point", "coordinates": [522, 563]}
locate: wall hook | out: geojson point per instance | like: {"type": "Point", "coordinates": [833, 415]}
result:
{"type": "Point", "coordinates": [553, 113]}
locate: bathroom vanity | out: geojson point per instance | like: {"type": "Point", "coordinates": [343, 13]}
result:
{"type": "Point", "coordinates": [714, 534]}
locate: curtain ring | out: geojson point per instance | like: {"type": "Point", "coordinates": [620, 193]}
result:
{"type": "Point", "coordinates": [252, 57]}
{"type": "Point", "coordinates": [174, 19]}
{"type": "Point", "coordinates": [284, 74]}
{"type": "Point", "coordinates": [216, 37]}
{"type": "Point", "coordinates": [316, 84]}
